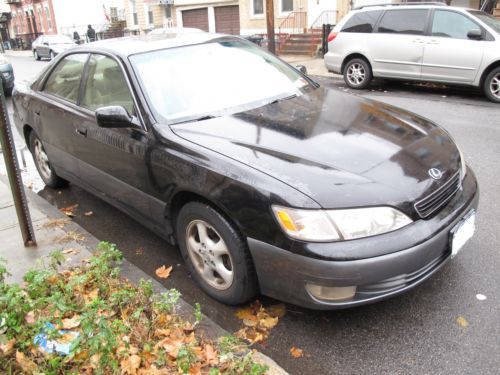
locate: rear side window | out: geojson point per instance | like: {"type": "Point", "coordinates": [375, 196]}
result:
{"type": "Point", "coordinates": [407, 21]}
{"type": "Point", "coordinates": [362, 22]}
{"type": "Point", "coordinates": [64, 81]}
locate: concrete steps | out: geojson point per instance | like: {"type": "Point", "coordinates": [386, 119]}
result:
{"type": "Point", "coordinates": [301, 44]}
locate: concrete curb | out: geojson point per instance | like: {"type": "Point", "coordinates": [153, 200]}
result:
{"type": "Point", "coordinates": [207, 327]}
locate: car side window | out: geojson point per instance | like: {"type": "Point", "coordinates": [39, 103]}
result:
{"type": "Point", "coordinates": [362, 22]}
{"type": "Point", "coordinates": [407, 21]}
{"type": "Point", "coordinates": [106, 85]}
{"type": "Point", "coordinates": [64, 81]}
{"type": "Point", "coordinates": [452, 25]}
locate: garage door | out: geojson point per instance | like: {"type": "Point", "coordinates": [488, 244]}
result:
{"type": "Point", "coordinates": [227, 20]}
{"type": "Point", "coordinates": [195, 18]}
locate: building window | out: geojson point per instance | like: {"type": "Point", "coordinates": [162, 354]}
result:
{"type": "Point", "coordinates": [40, 18]}
{"type": "Point", "coordinates": [133, 10]}
{"type": "Point", "coordinates": [257, 7]}
{"type": "Point", "coordinates": [286, 6]}
{"type": "Point", "coordinates": [149, 10]}
{"type": "Point", "coordinates": [47, 15]}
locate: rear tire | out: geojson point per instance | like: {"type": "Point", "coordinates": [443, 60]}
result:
{"type": "Point", "coordinates": [42, 163]}
{"type": "Point", "coordinates": [491, 85]}
{"type": "Point", "coordinates": [357, 74]}
{"type": "Point", "coordinates": [216, 254]}
{"type": "Point", "coordinates": [52, 55]}
{"type": "Point", "coordinates": [36, 55]}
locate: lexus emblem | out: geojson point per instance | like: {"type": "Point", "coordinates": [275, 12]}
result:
{"type": "Point", "coordinates": [435, 173]}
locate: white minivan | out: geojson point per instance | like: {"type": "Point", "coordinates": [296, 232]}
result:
{"type": "Point", "coordinates": [434, 43]}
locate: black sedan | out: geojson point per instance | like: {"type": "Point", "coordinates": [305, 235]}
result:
{"type": "Point", "coordinates": [267, 182]}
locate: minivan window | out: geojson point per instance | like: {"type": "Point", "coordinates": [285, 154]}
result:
{"type": "Point", "coordinates": [488, 19]}
{"type": "Point", "coordinates": [407, 21]}
{"type": "Point", "coordinates": [452, 25]}
{"type": "Point", "coordinates": [362, 22]}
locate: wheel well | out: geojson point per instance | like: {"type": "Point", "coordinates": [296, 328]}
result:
{"type": "Point", "coordinates": [27, 132]}
{"type": "Point", "coordinates": [353, 56]}
{"type": "Point", "coordinates": [487, 71]}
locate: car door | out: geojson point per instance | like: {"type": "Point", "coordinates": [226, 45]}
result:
{"type": "Point", "coordinates": [396, 48]}
{"type": "Point", "coordinates": [41, 47]}
{"type": "Point", "coordinates": [112, 161]}
{"type": "Point", "coordinates": [449, 54]}
{"type": "Point", "coordinates": [55, 110]}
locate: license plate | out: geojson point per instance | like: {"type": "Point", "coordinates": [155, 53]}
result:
{"type": "Point", "coordinates": [462, 232]}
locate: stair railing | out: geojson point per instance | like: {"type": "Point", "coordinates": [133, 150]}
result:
{"type": "Point", "coordinates": [294, 23]}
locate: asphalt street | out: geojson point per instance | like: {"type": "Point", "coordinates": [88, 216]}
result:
{"type": "Point", "coordinates": [416, 333]}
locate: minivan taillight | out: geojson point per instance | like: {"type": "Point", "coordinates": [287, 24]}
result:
{"type": "Point", "coordinates": [332, 36]}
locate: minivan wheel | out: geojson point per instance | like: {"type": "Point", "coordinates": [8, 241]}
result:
{"type": "Point", "coordinates": [216, 254]}
{"type": "Point", "coordinates": [36, 55]}
{"type": "Point", "coordinates": [47, 173]}
{"type": "Point", "coordinates": [52, 55]}
{"type": "Point", "coordinates": [357, 74]}
{"type": "Point", "coordinates": [491, 86]}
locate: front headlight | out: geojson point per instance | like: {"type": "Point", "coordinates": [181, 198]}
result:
{"type": "Point", "coordinates": [6, 74]}
{"type": "Point", "coordinates": [335, 225]}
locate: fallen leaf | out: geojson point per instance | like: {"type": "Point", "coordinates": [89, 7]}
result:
{"type": "Point", "coordinates": [195, 370]}
{"type": "Point", "coordinates": [90, 296]}
{"type": "Point", "coordinates": [7, 347]}
{"type": "Point", "coordinates": [88, 213]}
{"type": "Point", "coordinates": [246, 313]}
{"type": "Point", "coordinates": [130, 365]}
{"type": "Point", "coordinates": [71, 236]}
{"type": "Point", "coordinates": [55, 223]}
{"type": "Point", "coordinates": [211, 355]}
{"type": "Point", "coordinates": [163, 272]}
{"type": "Point", "coordinates": [296, 352]}
{"type": "Point", "coordinates": [68, 211]}
{"type": "Point", "coordinates": [71, 251]}
{"type": "Point", "coordinates": [462, 322]}
{"type": "Point", "coordinates": [26, 364]}
{"type": "Point", "coordinates": [250, 322]}
{"type": "Point", "coordinates": [139, 251]}
{"type": "Point", "coordinates": [277, 310]}
{"type": "Point", "coordinates": [268, 322]}
{"type": "Point", "coordinates": [30, 317]}
{"type": "Point", "coordinates": [71, 322]}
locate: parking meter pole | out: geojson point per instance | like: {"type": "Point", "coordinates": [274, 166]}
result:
{"type": "Point", "coordinates": [14, 173]}
{"type": "Point", "coordinates": [270, 26]}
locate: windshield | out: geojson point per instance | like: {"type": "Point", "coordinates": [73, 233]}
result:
{"type": "Point", "coordinates": [488, 19]}
{"type": "Point", "coordinates": [214, 79]}
{"type": "Point", "coordinates": [59, 39]}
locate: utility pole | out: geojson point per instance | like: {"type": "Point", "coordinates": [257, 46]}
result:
{"type": "Point", "coordinates": [270, 26]}
{"type": "Point", "coordinates": [14, 173]}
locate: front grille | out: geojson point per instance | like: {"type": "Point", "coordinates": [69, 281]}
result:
{"type": "Point", "coordinates": [438, 198]}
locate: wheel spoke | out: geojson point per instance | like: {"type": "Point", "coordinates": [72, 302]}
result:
{"type": "Point", "coordinates": [202, 232]}
{"type": "Point", "coordinates": [218, 248]}
{"type": "Point", "coordinates": [193, 245]}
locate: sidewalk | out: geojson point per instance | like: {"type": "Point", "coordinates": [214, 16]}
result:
{"type": "Point", "coordinates": [11, 52]}
{"type": "Point", "coordinates": [315, 65]}
{"type": "Point", "coordinates": [20, 259]}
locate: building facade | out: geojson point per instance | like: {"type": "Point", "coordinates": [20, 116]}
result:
{"type": "Point", "coordinates": [145, 15]}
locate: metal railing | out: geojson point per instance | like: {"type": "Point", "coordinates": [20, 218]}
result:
{"type": "Point", "coordinates": [327, 17]}
{"type": "Point", "coordinates": [294, 23]}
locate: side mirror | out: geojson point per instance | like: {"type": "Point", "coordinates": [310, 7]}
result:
{"type": "Point", "coordinates": [475, 34]}
{"type": "Point", "coordinates": [114, 116]}
{"type": "Point", "coordinates": [302, 69]}
{"type": "Point", "coordinates": [45, 44]}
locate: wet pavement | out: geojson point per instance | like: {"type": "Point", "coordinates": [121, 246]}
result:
{"type": "Point", "coordinates": [413, 333]}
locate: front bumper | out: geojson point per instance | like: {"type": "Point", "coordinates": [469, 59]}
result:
{"type": "Point", "coordinates": [284, 275]}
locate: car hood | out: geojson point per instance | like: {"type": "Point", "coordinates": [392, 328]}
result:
{"type": "Point", "coordinates": [339, 149]}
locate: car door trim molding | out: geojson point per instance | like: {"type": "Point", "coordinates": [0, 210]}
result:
{"type": "Point", "coordinates": [398, 62]}
{"type": "Point", "coordinates": [448, 67]}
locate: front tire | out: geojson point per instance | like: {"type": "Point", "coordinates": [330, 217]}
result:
{"type": "Point", "coordinates": [357, 74]}
{"type": "Point", "coordinates": [36, 55]}
{"type": "Point", "coordinates": [216, 254]}
{"type": "Point", "coordinates": [491, 85]}
{"type": "Point", "coordinates": [47, 173]}
{"type": "Point", "coordinates": [52, 55]}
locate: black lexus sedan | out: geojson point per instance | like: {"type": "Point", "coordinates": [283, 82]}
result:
{"type": "Point", "coordinates": [267, 182]}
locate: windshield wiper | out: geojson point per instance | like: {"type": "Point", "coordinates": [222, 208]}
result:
{"type": "Point", "coordinates": [282, 99]}
{"type": "Point", "coordinates": [201, 118]}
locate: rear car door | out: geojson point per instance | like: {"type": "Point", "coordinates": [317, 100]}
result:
{"type": "Point", "coordinates": [55, 111]}
{"type": "Point", "coordinates": [396, 49]}
{"type": "Point", "coordinates": [42, 48]}
{"type": "Point", "coordinates": [112, 161]}
{"type": "Point", "coordinates": [449, 55]}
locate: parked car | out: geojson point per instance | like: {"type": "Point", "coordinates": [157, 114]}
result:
{"type": "Point", "coordinates": [7, 75]}
{"type": "Point", "coordinates": [49, 46]}
{"type": "Point", "coordinates": [267, 182]}
{"type": "Point", "coordinates": [174, 30]}
{"type": "Point", "coordinates": [434, 43]}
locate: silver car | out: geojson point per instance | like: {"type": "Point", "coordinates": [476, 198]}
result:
{"type": "Point", "coordinates": [434, 43]}
{"type": "Point", "coordinates": [50, 46]}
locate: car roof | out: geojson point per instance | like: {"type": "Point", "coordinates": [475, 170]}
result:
{"type": "Point", "coordinates": [408, 6]}
{"type": "Point", "coordinates": [131, 45]}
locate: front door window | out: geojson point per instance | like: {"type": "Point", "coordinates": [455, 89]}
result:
{"type": "Point", "coordinates": [452, 25]}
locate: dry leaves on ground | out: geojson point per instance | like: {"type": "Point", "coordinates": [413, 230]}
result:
{"type": "Point", "coordinates": [27, 365]}
{"type": "Point", "coordinates": [56, 223]}
{"type": "Point", "coordinates": [130, 365]}
{"type": "Point", "coordinates": [68, 211]}
{"type": "Point", "coordinates": [296, 352]}
{"type": "Point", "coordinates": [258, 321]}
{"type": "Point", "coordinates": [30, 317]}
{"type": "Point", "coordinates": [7, 347]}
{"type": "Point", "coordinates": [163, 272]}
{"type": "Point", "coordinates": [72, 322]}
{"type": "Point", "coordinates": [71, 236]}
{"type": "Point", "coordinates": [71, 251]}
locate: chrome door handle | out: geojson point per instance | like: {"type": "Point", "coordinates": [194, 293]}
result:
{"type": "Point", "coordinates": [417, 41]}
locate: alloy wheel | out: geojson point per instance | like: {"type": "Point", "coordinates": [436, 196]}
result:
{"type": "Point", "coordinates": [356, 74]}
{"type": "Point", "coordinates": [42, 160]}
{"type": "Point", "coordinates": [495, 86]}
{"type": "Point", "coordinates": [209, 254]}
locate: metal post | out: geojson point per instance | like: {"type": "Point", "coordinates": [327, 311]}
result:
{"type": "Point", "coordinates": [270, 26]}
{"type": "Point", "coordinates": [14, 173]}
